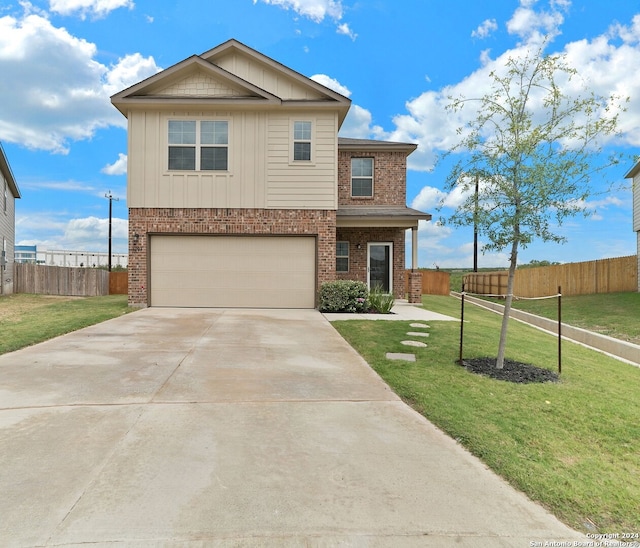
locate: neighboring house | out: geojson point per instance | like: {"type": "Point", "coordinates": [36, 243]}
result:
{"type": "Point", "coordinates": [10, 192]}
{"type": "Point", "coordinates": [634, 174]}
{"type": "Point", "coordinates": [241, 194]}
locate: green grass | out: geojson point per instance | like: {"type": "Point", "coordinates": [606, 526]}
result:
{"type": "Point", "coordinates": [613, 314]}
{"type": "Point", "coordinates": [571, 446]}
{"type": "Point", "coordinates": [30, 319]}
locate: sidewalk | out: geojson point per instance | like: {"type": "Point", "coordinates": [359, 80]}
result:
{"type": "Point", "coordinates": [402, 310]}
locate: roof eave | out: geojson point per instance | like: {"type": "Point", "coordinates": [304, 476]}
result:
{"type": "Point", "coordinates": [633, 171]}
{"type": "Point", "coordinates": [5, 168]}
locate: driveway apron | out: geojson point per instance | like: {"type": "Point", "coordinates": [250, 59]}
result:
{"type": "Point", "coordinates": [219, 427]}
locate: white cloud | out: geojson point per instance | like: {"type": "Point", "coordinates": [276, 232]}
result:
{"type": "Point", "coordinates": [93, 8]}
{"type": "Point", "coordinates": [316, 10]}
{"type": "Point", "coordinates": [90, 232]}
{"type": "Point", "coordinates": [602, 66]}
{"type": "Point", "coordinates": [346, 30]}
{"type": "Point", "coordinates": [485, 29]}
{"type": "Point", "coordinates": [532, 25]}
{"type": "Point", "coordinates": [331, 83]}
{"type": "Point", "coordinates": [430, 198]}
{"type": "Point", "coordinates": [63, 92]}
{"type": "Point", "coordinates": [358, 123]}
{"type": "Point", "coordinates": [119, 167]}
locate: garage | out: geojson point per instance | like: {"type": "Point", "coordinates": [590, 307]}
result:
{"type": "Point", "coordinates": [233, 271]}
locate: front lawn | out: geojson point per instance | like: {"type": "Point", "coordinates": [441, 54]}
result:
{"type": "Point", "coordinates": [29, 319]}
{"type": "Point", "coordinates": [571, 446]}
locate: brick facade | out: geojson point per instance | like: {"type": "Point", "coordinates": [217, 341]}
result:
{"type": "Point", "coordinates": [415, 287]}
{"type": "Point", "coordinates": [144, 222]}
{"type": "Point", "coordinates": [358, 257]}
{"type": "Point", "coordinates": [389, 178]}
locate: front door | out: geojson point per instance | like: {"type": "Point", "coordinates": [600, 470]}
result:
{"type": "Point", "coordinates": [380, 266]}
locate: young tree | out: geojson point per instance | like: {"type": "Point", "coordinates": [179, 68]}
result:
{"type": "Point", "coordinates": [534, 149]}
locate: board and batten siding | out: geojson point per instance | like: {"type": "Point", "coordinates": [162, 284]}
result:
{"type": "Point", "coordinates": [266, 78]}
{"type": "Point", "coordinates": [261, 174]}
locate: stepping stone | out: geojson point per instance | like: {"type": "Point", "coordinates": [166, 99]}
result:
{"type": "Point", "coordinates": [399, 356]}
{"type": "Point", "coordinates": [413, 343]}
{"type": "Point", "coordinates": [423, 325]}
{"type": "Point", "coordinates": [417, 334]}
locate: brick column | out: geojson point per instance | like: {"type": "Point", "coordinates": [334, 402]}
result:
{"type": "Point", "coordinates": [415, 286]}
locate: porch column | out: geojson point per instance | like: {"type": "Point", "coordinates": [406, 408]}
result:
{"type": "Point", "coordinates": [415, 277]}
{"type": "Point", "coordinates": [414, 248]}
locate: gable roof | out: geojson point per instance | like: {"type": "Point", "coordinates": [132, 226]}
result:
{"type": "Point", "coordinates": [232, 89]}
{"type": "Point", "coordinates": [633, 171]}
{"type": "Point", "coordinates": [5, 169]}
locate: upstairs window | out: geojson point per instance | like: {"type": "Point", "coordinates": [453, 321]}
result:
{"type": "Point", "coordinates": [198, 145]}
{"type": "Point", "coordinates": [342, 256]}
{"type": "Point", "coordinates": [302, 141]}
{"type": "Point", "coordinates": [362, 177]}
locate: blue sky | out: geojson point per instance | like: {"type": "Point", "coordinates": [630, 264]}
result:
{"type": "Point", "coordinates": [398, 60]}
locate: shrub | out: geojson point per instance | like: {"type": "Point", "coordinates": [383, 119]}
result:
{"type": "Point", "coordinates": [344, 296]}
{"type": "Point", "coordinates": [380, 302]}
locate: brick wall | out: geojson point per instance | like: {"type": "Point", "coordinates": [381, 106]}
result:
{"type": "Point", "coordinates": [144, 222]}
{"type": "Point", "coordinates": [358, 257]}
{"type": "Point", "coordinates": [389, 178]}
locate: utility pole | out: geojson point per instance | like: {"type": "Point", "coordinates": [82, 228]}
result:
{"type": "Point", "coordinates": [475, 228]}
{"type": "Point", "coordinates": [110, 197]}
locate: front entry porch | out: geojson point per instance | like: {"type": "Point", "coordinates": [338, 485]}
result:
{"type": "Point", "coordinates": [371, 248]}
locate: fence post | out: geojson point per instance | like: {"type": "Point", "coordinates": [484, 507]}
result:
{"type": "Point", "coordinates": [559, 329]}
{"type": "Point", "coordinates": [461, 324]}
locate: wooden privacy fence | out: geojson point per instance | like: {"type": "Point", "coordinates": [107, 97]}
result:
{"type": "Point", "coordinates": [586, 278]}
{"type": "Point", "coordinates": [434, 282]}
{"type": "Point", "coordinates": [60, 280]}
{"type": "Point", "coordinates": [118, 283]}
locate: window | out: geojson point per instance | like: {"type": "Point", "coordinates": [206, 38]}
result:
{"type": "Point", "coordinates": [302, 141]}
{"type": "Point", "coordinates": [198, 145]}
{"type": "Point", "coordinates": [362, 177]}
{"type": "Point", "coordinates": [342, 256]}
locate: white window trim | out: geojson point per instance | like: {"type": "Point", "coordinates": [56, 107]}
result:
{"type": "Point", "coordinates": [373, 172]}
{"type": "Point", "coordinates": [292, 141]}
{"type": "Point", "coordinates": [197, 144]}
{"type": "Point", "coordinates": [347, 256]}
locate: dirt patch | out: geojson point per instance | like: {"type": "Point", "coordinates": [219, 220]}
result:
{"type": "Point", "coordinates": [516, 372]}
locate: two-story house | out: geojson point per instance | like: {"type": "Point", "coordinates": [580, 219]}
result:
{"type": "Point", "coordinates": [241, 194]}
{"type": "Point", "coordinates": [10, 193]}
{"type": "Point", "coordinates": [634, 175]}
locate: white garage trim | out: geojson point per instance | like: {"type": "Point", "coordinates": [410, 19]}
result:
{"type": "Point", "coordinates": [233, 271]}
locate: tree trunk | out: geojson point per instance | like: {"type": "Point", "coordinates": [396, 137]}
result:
{"type": "Point", "coordinates": [507, 305]}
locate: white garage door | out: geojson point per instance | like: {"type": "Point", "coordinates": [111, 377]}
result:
{"type": "Point", "coordinates": [233, 271]}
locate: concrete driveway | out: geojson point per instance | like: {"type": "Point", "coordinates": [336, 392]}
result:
{"type": "Point", "coordinates": [187, 427]}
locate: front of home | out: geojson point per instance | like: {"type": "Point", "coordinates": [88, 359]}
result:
{"type": "Point", "coordinates": [10, 193]}
{"type": "Point", "coordinates": [241, 194]}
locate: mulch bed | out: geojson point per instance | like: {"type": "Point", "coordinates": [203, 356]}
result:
{"type": "Point", "coordinates": [511, 372]}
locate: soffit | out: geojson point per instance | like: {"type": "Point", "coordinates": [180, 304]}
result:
{"type": "Point", "coordinates": [380, 216]}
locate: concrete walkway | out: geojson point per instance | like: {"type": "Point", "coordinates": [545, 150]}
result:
{"type": "Point", "coordinates": [201, 427]}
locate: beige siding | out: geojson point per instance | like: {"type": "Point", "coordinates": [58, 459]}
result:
{"type": "Point", "coordinates": [261, 174]}
{"type": "Point", "coordinates": [265, 77]}
{"type": "Point", "coordinates": [7, 234]}
{"type": "Point", "coordinates": [302, 185]}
